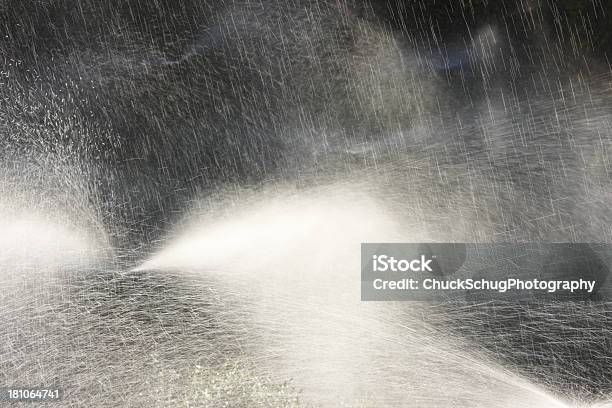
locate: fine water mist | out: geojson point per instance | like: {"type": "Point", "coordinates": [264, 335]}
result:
{"type": "Point", "coordinates": [185, 187]}
{"type": "Point", "coordinates": [294, 260]}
